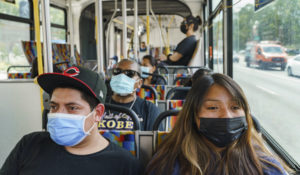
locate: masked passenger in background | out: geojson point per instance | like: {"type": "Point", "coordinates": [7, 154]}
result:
{"type": "Point", "coordinates": [149, 66]}
{"type": "Point", "coordinates": [124, 83]}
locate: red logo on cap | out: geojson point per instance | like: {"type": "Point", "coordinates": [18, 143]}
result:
{"type": "Point", "coordinates": [72, 71]}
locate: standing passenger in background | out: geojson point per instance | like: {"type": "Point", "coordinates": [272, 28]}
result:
{"type": "Point", "coordinates": [185, 49]}
{"type": "Point", "coordinates": [214, 134]}
{"type": "Point", "coordinates": [149, 66]}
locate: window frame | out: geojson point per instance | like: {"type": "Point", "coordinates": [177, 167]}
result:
{"type": "Point", "coordinates": [59, 26]}
{"type": "Point", "coordinates": [29, 20]}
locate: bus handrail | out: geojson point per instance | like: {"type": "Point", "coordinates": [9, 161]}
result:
{"type": "Point", "coordinates": [16, 66]}
{"type": "Point", "coordinates": [157, 75]}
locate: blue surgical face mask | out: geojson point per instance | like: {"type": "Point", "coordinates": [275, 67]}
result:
{"type": "Point", "coordinates": [67, 129]}
{"type": "Point", "coordinates": [122, 85]}
{"type": "Point", "coordinates": [146, 70]}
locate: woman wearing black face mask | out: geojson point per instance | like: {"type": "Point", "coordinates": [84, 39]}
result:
{"type": "Point", "coordinates": [214, 135]}
{"type": "Point", "coordinates": [185, 49]}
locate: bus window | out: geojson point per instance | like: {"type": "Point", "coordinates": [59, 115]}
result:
{"type": "Point", "coordinates": [58, 24]}
{"type": "Point", "coordinates": [218, 42]}
{"type": "Point", "coordinates": [215, 3]}
{"type": "Point", "coordinates": [58, 35]}
{"type": "Point", "coordinates": [57, 16]}
{"type": "Point", "coordinates": [273, 96]}
{"type": "Point", "coordinates": [21, 8]}
{"type": "Point", "coordinates": [13, 29]}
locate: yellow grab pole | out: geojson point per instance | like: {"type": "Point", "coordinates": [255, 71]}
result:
{"type": "Point", "coordinates": [38, 44]}
{"type": "Point", "coordinates": [168, 43]}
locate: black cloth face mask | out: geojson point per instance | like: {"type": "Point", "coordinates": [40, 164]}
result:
{"type": "Point", "coordinates": [183, 28]}
{"type": "Point", "coordinates": [222, 131]}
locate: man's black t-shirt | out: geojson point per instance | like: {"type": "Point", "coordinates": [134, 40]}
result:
{"type": "Point", "coordinates": [146, 111]}
{"type": "Point", "coordinates": [37, 154]}
{"type": "Point", "coordinates": [186, 48]}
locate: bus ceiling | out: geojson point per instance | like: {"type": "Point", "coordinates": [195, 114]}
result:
{"type": "Point", "coordinates": [160, 7]}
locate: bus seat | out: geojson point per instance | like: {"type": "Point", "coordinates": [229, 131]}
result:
{"type": "Point", "coordinates": [119, 118]}
{"type": "Point", "coordinates": [175, 104]}
{"type": "Point", "coordinates": [20, 75]}
{"type": "Point", "coordinates": [60, 53]}
{"type": "Point", "coordinates": [162, 69]}
{"type": "Point", "coordinates": [148, 93]}
{"type": "Point", "coordinates": [160, 135]}
{"type": "Point", "coordinates": [125, 139]}
{"type": "Point", "coordinates": [179, 81]}
{"type": "Point", "coordinates": [159, 77]}
{"type": "Point", "coordinates": [175, 90]}
{"type": "Point", "coordinates": [162, 116]}
{"type": "Point", "coordinates": [172, 77]}
{"type": "Point", "coordinates": [197, 58]}
{"type": "Point", "coordinates": [160, 89]}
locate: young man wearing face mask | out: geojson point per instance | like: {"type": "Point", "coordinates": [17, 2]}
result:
{"type": "Point", "coordinates": [185, 49]}
{"type": "Point", "coordinates": [72, 144]}
{"type": "Point", "coordinates": [124, 82]}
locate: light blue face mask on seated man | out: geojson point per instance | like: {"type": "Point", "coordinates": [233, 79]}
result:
{"type": "Point", "coordinates": [122, 84]}
{"type": "Point", "coordinates": [67, 129]}
{"type": "Point", "coordinates": [146, 70]}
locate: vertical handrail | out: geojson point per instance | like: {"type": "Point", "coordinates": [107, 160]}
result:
{"type": "Point", "coordinates": [48, 68]}
{"type": "Point", "coordinates": [108, 30]}
{"type": "Point", "coordinates": [135, 41]}
{"type": "Point", "coordinates": [71, 33]}
{"type": "Point", "coordinates": [148, 25]}
{"type": "Point", "coordinates": [38, 35]}
{"type": "Point", "coordinates": [168, 38]}
{"type": "Point", "coordinates": [160, 31]}
{"type": "Point", "coordinates": [99, 33]}
{"type": "Point", "coordinates": [38, 43]}
{"type": "Point", "coordinates": [124, 15]}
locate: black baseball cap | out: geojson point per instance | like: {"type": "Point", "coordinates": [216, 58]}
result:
{"type": "Point", "coordinates": [77, 77]}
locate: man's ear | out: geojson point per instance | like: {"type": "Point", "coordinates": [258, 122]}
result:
{"type": "Point", "coordinates": [100, 109]}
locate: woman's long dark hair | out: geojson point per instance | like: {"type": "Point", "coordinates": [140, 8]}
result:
{"type": "Point", "coordinates": [197, 156]}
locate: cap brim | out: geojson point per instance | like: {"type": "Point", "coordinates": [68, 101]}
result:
{"type": "Point", "coordinates": [50, 81]}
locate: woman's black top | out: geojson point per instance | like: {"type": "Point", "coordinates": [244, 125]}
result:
{"type": "Point", "coordinates": [186, 48]}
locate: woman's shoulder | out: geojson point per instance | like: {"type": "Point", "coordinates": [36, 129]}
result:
{"type": "Point", "coordinates": [271, 170]}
